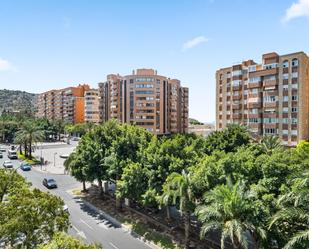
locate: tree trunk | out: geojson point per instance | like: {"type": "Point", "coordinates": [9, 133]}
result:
{"type": "Point", "coordinates": [100, 187]}
{"type": "Point", "coordinates": [168, 213]}
{"type": "Point", "coordinates": [25, 148]}
{"type": "Point", "coordinates": [187, 221]}
{"type": "Point", "coordinates": [118, 199]}
{"type": "Point", "coordinates": [20, 149]}
{"type": "Point", "coordinates": [84, 186]}
{"type": "Point", "coordinates": [30, 149]}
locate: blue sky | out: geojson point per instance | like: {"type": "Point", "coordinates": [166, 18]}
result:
{"type": "Point", "coordinates": [55, 43]}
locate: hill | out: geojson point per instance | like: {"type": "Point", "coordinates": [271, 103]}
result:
{"type": "Point", "coordinates": [12, 101]}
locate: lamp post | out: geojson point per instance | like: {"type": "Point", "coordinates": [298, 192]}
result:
{"type": "Point", "coordinates": [55, 153]}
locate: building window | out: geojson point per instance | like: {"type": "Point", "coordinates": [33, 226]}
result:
{"type": "Point", "coordinates": [254, 79]}
{"type": "Point", "coordinates": [270, 131]}
{"type": "Point", "coordinates": [285, 64]}
{"type": "Point", "coordinates": [285, 76]}
{"type": "Point", "coordinates": [270, 98]}
{"type": "Point", "coordinates": [294, 86]}
{"type": "Point", "coordinates": [294, 98]}
{"type": "Point", "coordinates": [270, 66]}
{"type": "Point", "coordinates": [285, 132]}
{"type": "Point", "coordinates": [236, 73]}
{"type": "Point", "coordinates": [295, 75]}
{"type": "Point", "coordinates": [294, 132]}
{"type": "Point", "coordinates": [294, 120]}
{"type": "Point", "coordinates": [270, 77]}
{"type": "Point", "coordinates": [236, 82]}
{"type": "Point", "coordinates": [294, 109]}
{"type": "Point", "coordinates": [285, 98]}
{"type": "Point", "coordinates": [228, 75]}
{"type": "Point", "coordinates": [285, 120]}
{"type": "Point", "coordinates": [285, 87]}
{"type": "Point", "coordinates": [254, 120]}
{"type": "Point", "coordinates": [285, 109]}
{"type": "Point", "coordinates": [294, 63]}
{"type": "Point", "coordinates": [252, 68]}
{"type": "Point", "coordinates": [270, 120]}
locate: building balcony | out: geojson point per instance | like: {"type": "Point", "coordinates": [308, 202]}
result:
{"type": "Point", "coordinates": [236, 88]}
{"type": "Point", "coordinates": [254, 85]}
{"type": "Point", "coordinates": [253, 115]}
{"type": "Point", "coordinates": [236, 97]}
{"type": "Point", "coordinates": [270, 115]}
{"type": "Point", "coordinates": [264, 72]}
{"type": "Point", "coordinates": [237, 116]}
{"type": "Point", "coordinates": [271, 125]}
{"type": "Point", "coordinates": [254, 104]}
{"type": "Point", "coordinates": [269, 83]}
{"type": "Point", "coordinates": [236, 106]}
{"type": "Point", "coordinates": [270, 104]}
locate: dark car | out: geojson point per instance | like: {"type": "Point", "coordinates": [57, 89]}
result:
{"type": "Point", "coordinates": [1, 155]}
{"type": "Point", "coordinates": [25, 167]}
{"type": "Point", "coordinates": [49, 183]}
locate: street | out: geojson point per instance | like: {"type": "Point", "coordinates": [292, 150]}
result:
{"type": "Point", "coordinates": [86, 222]}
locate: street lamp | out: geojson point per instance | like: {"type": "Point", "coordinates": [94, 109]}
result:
{"type": "Point", "coordinates": [55, 153]}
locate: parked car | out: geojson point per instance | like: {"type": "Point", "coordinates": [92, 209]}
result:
{"type": "Point", "coordinates": [8, 164]}
{"type": "Point", "coordinates": [2, 149]}
{"type": "Point", "coordinates": [12, 154]}
{"type": "Point", "coordinates": [25, 166]}
{"type": "Point", "coordinates": [49, 183]}
{"type": "Point", "coordinates": [1, 155]}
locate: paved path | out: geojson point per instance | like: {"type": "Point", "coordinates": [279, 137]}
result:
{"type": "Point", "coordinates": [86, 222]}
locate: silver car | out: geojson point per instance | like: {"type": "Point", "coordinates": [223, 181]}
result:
{"type": "Point", "coordinates": [8, 164]}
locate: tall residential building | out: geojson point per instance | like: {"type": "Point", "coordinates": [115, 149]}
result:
{"type": "Point", "coordinates": [63, 104]}
{"type": "Point", "coordinates": [92, 106]}
{"type": "Point", "coordinates": [271, 98]}
{"type": "Point", "coordinates": [147, 99]}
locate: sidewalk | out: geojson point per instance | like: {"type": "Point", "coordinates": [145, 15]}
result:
{"type": "Point", "coordinates": [52, 154]}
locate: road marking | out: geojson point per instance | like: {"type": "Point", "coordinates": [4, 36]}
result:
{"type": "Point", "coordinates": [79, 233]}
{"type": "Point", "coordinates": [86, 224]}
{"type": "Point", "coordinates": [113, 245]}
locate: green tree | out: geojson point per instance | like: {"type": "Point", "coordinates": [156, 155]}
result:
{"type": "Point", "coordinates": [64, 241]}
{"type": "Point", "coordinates": [292, 219]}
{"type": "Point", "coordinates": [75, 165]}
{"type": "Point", "coordinates": [227, 210]}
{"type": "Point", "coordinates": [270, 144]}
{"type": "Point", "coordinates": [178, 188]}
{"type": "Point", "coordinates": [28, 216]}
{"type": "Point", "coordinates": [228, 139]}
{"type": "Point", "coordinates": [30, 134]}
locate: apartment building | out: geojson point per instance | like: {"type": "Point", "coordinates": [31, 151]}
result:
{"type": "Point", "coordinates": [271, 98]}
{"type": "Point", "coordinates": [91, 99]}
{"type": "Point", "coordinates": [155, 102]}
{"type": "Point", "coordinates": [63, 104]}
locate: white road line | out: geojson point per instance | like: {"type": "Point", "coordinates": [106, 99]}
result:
{"type": "Point", "coordinates": [113, 245]}
{"type": "Point", "coordinates": [86, 224]}
{"type": "Point", "coordinates": [79, 233]}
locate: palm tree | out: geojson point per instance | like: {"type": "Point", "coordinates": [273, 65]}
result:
{"type": "Point", "coordinates": [30, 134]}
{"type": "Point", "coordinates": [270, 144]}
{"type": "Point", "coordinates": [294, 212]}
{"type": "Point", "coordinates": [226, 211]}
{"type": "Point", "coordinates": [179, 189]}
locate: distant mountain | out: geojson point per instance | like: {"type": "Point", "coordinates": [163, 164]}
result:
{"type": "Point", "coordinates": [16, 101]}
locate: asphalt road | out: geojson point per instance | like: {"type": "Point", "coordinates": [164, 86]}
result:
{"type": "Point", "coordinates": [86, 223]}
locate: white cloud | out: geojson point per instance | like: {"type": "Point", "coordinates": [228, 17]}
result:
{"type": "Point", "coordinates": [5, 65]}
{"type": "Point", "coordinates": [194, 42]}
{"type": "Point", "coordinates": [298, 9]}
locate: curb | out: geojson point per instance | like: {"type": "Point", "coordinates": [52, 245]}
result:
{"type": "Point", "coordinates": [36, 168]}
{"type": "Point", "coordinates": [117, 223]}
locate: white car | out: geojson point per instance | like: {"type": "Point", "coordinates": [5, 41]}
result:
{"type": "Point", "coordinates": [2, 149]}
{"type": "Point", "coordinates": [8, 164]}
